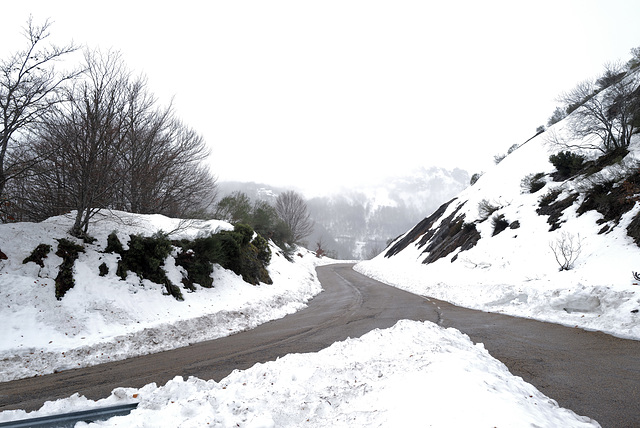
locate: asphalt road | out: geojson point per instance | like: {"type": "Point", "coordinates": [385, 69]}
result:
{"type": "Point", "coordinates": [590, 373]}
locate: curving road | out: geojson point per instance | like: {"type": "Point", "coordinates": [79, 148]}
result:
{"type": "Point", "coordinates": [591, 373]}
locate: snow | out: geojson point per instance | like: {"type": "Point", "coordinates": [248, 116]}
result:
{"type": "Point", "coordinates": [413, 373]}
{"type": "Point", "coordinates": [105, 319]}
{"type": "Point", "coordinates": [515, 272]}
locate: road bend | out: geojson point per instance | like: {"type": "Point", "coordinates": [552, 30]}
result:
{"type": "Point", "coordinates": [591, 373]}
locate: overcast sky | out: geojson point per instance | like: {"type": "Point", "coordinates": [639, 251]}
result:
{"type": "Point", "coordinates": [309, 94]}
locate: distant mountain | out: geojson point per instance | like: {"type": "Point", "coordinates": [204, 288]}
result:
{"type": "Point", "coordinates": [357, 223]}
{"type": "Point", "coordinates": [255, 191]}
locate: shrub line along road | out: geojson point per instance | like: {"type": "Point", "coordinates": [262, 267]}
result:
{"type": "Point", "coordinates": [591, 373]}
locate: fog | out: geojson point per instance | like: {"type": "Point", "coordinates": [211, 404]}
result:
{"type": "Point", "coordinates": [357, 222]}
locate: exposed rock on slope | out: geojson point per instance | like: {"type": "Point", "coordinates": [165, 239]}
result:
{"type": "Point", "coordinates": [452, 233]}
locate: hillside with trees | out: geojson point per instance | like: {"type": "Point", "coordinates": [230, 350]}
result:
{"type": "Point", "coordinates": [90, 138]}
{"type": "Point", "coordinates": [92, 142]}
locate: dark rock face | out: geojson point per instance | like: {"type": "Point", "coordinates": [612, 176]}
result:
{"type": "Point", "coordinates": [419, 230]}
{"type": "Point", "coordinates": [451, 234]}
{"type": "Point", "coordinates": [555, 210]}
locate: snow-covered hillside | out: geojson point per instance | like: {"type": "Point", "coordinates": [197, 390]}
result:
{"type": "Point", "coordinates": [104, 318]}
{"type": "Point", "coordinates": [515, 272]}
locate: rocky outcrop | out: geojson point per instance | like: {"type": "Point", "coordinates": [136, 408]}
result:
{"type": "Point", "coordinates": [451, 234]}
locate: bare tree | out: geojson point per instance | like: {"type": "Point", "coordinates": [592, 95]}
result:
{"type": "Point", "coordinates": [604, 112]}
{"type": "Point", "coordinates": [183, 182]}
{"type": "Point", "coordinates": [29, 89]}
{"type": "Point", "coordinates": [109, 146]}
{"type": "Point", "coordinates": [292, 209]}
{"type": "Point", "coordinates": [82, 138]}
{"type": "Point", "coordinates": [566, 250]}
{"type": "Point", "coordinates": [161, 161]}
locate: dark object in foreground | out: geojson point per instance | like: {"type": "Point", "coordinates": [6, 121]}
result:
{"type": "Point", "coordinates": [70, 419]}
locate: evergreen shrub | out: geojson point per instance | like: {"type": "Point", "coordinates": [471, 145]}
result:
{"type": "Point", "coordinates": [145, 257]}
{"type": "Point", "coordinates": [38, 255]}
{"type": "Point", "coordinates": [236, 250]}
{"type": "Point", "coordinates": [103, 269]}
{"type": "Point", "coordinates": [113, 244]}
{"type": "Point", "coordinates": [567, 163]}
{"type": "Point", "coordinates": [533, 182]}
{"type": "Point", "coordinates": [69, 252]}
{"type": "Point", "coordinates": [499, 223]}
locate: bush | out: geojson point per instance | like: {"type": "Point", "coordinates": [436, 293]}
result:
{"type": "Point", "coordinates": [567, 163]}
{"type": "Point", "coordinates": [253, 269]}
{"type": "Point", "coordinates": [103, 269]}
{"type": "Point", "coordinates": [113, 244]}
{"type": "Point", "coordinates": [533, 182]}
{"type": "Point", "coordinates": [486, 208]}
{"type": "Point", "coordinates": [264, 252]}
{"type": "Point", "coordinates": [475, 177]}
{"type": "Point", "coordinates": [249, 262]}
{"type": "Point", "coordinates": [197, 258]}
{"type": "Point", "coordinates": [566, 250]}
{"type": "Point", "coordinates": [499, 223]}
{"type": "Point", "coordinates": [233, 250]}
{"type": "Point", "coordinates": [244, 232]}
{"type": "Point", "coordinates": [145, 257]}
{"type": "Point", "coordinates": [38, 255]}
{"type": "Point", "coordinates": [68, 251]}
{"type": "Point", "coordinates": [549, 197]}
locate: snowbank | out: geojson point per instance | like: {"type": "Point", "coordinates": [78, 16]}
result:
{"type": "Point", "coordinates": [413, 374]}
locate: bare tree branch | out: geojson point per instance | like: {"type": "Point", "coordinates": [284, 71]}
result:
{"type": "Point", "coordinates": [29, 88]}
{"type": "Point", "coordinates": [604, 113]}
{"type": "Point", "coordinates": [566, 250]}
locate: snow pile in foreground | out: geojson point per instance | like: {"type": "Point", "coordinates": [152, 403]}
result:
{"type": "Point", "coordinates": [408, 375]}
{"type": "Point", "coordinates": [515, 272]}
{"type": "Point", "coordinates": [104, 319]}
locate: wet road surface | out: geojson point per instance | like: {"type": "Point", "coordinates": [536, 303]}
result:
{"type": "Point", "coordinates": [591, 373]}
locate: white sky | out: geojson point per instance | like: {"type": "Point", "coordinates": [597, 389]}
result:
{"type": "Point", "coordinates": [308, 94]}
